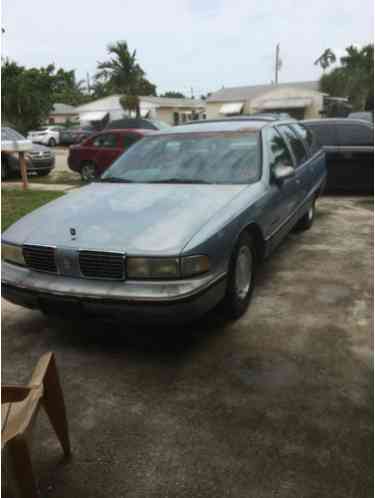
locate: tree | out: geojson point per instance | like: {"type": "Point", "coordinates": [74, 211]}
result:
{"type": "Point", "coordinates": [122, 74]}
{"type": "Point", "coordinates": [353, 78]}
{"type": "Point", "coordinates": [67, 89]}
{"type": "Point", "coordinates": [27, 94]}
{"type": "Point", "coordinates": [174, 95]}
{"type": "Point", "coordinates": [326, 59]}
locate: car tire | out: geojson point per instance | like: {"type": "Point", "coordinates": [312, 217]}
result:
{"type": "Point", "coordinates": [88, 172]}
{"type": "Point", "coordinates": [241, 277]}
{"type": "Point", "coordinates": [4, 170]}
{"type": "Point", "coordinates": [307, 219]}
{"type": "Point", "coordinates": [44, 172]}
{"type": "Point", "coordinates": [52, 142]}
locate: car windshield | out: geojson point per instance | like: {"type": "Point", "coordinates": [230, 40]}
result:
{"type": "Point", "coordinates": [225, 158]}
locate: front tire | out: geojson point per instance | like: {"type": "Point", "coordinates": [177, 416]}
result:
{"type": "Point", "coordinates": [307, 219]}
{"type": "Point", "coordinates": [241, 277]}
{"type": "Point", "coordinates": [52, 142]}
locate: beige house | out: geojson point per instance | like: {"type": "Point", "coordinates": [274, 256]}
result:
{"type": "Point", "coordinates": [61, 113]}
{"type": "Point", "coordinates": [170, 110]}
{"type": "Point", "coordinates": [300, 100]}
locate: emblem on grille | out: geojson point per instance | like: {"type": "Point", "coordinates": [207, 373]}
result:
{"type": "Point", "coordinates": [73, 233]}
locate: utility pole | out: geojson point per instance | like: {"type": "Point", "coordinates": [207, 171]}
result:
{"type": "Point", "coordinates": [88, 83]}
{"type": "Point", "coordinates": [277, 64]}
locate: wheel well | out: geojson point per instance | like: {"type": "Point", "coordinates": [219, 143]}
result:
{"type": "Point", "coordinates": [254, 230]}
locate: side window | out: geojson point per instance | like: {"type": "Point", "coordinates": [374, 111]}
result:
{"type": "Point", "coordinates": [307, 136]}
{"type": "Point", "coordinates": [325, 134]}
{"type": "Point", "coordinates": [295, 144]}
{"type": "Point", "coordinates": [278, 152]}
{"type": "Point", "coordinates": [128, 140]}
{"type": "Point", "coordinates": [355, 134]}
{"type": "Point", "coordinates": [105, 140]}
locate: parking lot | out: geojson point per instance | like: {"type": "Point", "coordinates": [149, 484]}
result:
{"type": "Point", "coordinates": [277, 404]}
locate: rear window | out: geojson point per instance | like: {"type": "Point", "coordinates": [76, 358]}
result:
{"type": "Point", "coordinates": [355, 134]}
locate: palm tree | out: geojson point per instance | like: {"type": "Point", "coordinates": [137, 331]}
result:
{"type": "Point", "coordinates": [326, 59]}
{"type": "Point", "coordinates": [122, 73]}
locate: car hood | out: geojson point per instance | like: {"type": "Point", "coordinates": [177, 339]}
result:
{"type": "Point", "coordinates": [143, 219]}
{"type": "Point", "coordinates": [40, 148]}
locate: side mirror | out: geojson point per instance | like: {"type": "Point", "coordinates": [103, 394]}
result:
{"type": "Point", "coordinates": [283, 172]}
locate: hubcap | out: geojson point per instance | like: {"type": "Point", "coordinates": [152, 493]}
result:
{"type": "Point", "coordinates": [311, 213]}
{"type": "Point", "coordinates": [243, 272]}
{"type": "Point", "coordinates": [88, 173]}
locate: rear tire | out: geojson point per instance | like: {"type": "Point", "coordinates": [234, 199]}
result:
{"type": "Point", "coordinates": [88, 172]}
{"type": "Point", "coordinates": [52, 142]}
{"type": "Point", "coordinates": [307, 219]}
{"type": "Point", "coordinates": [241, 277]}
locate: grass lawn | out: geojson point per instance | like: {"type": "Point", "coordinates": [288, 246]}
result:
{"type": "Point", "coordinates": [17, 203]}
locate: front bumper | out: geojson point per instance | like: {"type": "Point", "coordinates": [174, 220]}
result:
{"type": "Point", "coordinates": [41, 164]}
{"type": "Point", "coordinates": [164, 301]}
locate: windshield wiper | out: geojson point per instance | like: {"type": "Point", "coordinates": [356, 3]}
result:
{"type": "Point", "coordinates": [114, 179]}
{"type": "Point", "coordinates": [180, 180]}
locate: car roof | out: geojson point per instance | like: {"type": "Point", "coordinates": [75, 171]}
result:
{"type": "Point", "coordinates": [223, 125]}
{"type": "Point", "coordinates": [139, 131]}
{"type": "Point", "coordinates": [328, 121]}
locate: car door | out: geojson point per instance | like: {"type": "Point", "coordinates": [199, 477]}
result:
{"type": "Point", "coordinates": [355, 172]}
{"type": "Point", "coordinates": [108, 147]}
{"type": "Point", "coordinates": [282, 197]}
{"type": "Point", "coordinates": [304, 173]}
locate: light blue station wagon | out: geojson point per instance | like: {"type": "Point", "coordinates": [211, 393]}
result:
{"type": "Point", "coordinates": [178, 224]}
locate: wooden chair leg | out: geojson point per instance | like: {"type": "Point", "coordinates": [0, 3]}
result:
{"type": "Point", "coordinates": [53, 402]}
{"type": "Point", "coordinates": [21, 466]}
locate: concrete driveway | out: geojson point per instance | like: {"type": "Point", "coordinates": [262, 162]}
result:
{"type": "Point", "coordinates": [277, 404]}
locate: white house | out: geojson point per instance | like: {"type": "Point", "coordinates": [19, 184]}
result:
{"type": "Point", "coordinates": [169, 110]}
{"type": "Point", "coordinates": [300, 100]}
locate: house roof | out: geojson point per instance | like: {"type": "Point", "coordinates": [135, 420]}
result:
{"type": "Point", "coordinates": [59, 108]}
{"type": "Point", "coordinates": [112, 103]}
{"type": "Point", "coordinates": [241, 93]}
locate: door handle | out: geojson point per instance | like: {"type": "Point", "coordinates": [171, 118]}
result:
{"type": "Point", "coordinates": [298, 181]}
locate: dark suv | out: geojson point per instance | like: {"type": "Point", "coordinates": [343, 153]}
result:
{"type": "Point", "coordinates": [349, 148]}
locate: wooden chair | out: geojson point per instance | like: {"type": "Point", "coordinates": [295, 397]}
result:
{"type": "Point", "coordinates": [19, 408]}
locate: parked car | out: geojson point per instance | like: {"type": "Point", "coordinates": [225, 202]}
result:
{"type": "Point", "coordinates": [97, 153]}
{"type": "Point", "coordinates": [349, 147]}
{"type": "Point", "coordinates": [76, 135]}
{"type": "Point", "coordinates": [137, 123]}
{"type": "Point", "coordinates": [178, 224]}
{"type": "Point", "coordinates": [40, 160]}
{"type": "Point", "coordinates": [46, 135]}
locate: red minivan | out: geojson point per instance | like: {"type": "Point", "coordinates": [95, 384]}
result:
{"type": "Point", "coordinates": [95, 154]}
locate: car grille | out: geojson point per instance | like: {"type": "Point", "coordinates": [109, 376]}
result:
{"type": "Point", "coordinates": [106, 265]}
{"type": "Point", "coordinates": [41, 258]}
{"type": "Point", "coordinates": [38, 155]}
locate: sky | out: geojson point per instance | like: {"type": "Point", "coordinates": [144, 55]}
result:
{"type": "Point", "coordinates": [191, 46]}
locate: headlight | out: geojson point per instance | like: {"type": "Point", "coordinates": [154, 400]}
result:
{"type": "Point", "coordinates": [152, 267]}
{"type": "Point", "coordinates": [13, 254]}
{"type": "Point", "coordinates": [194, 265]}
